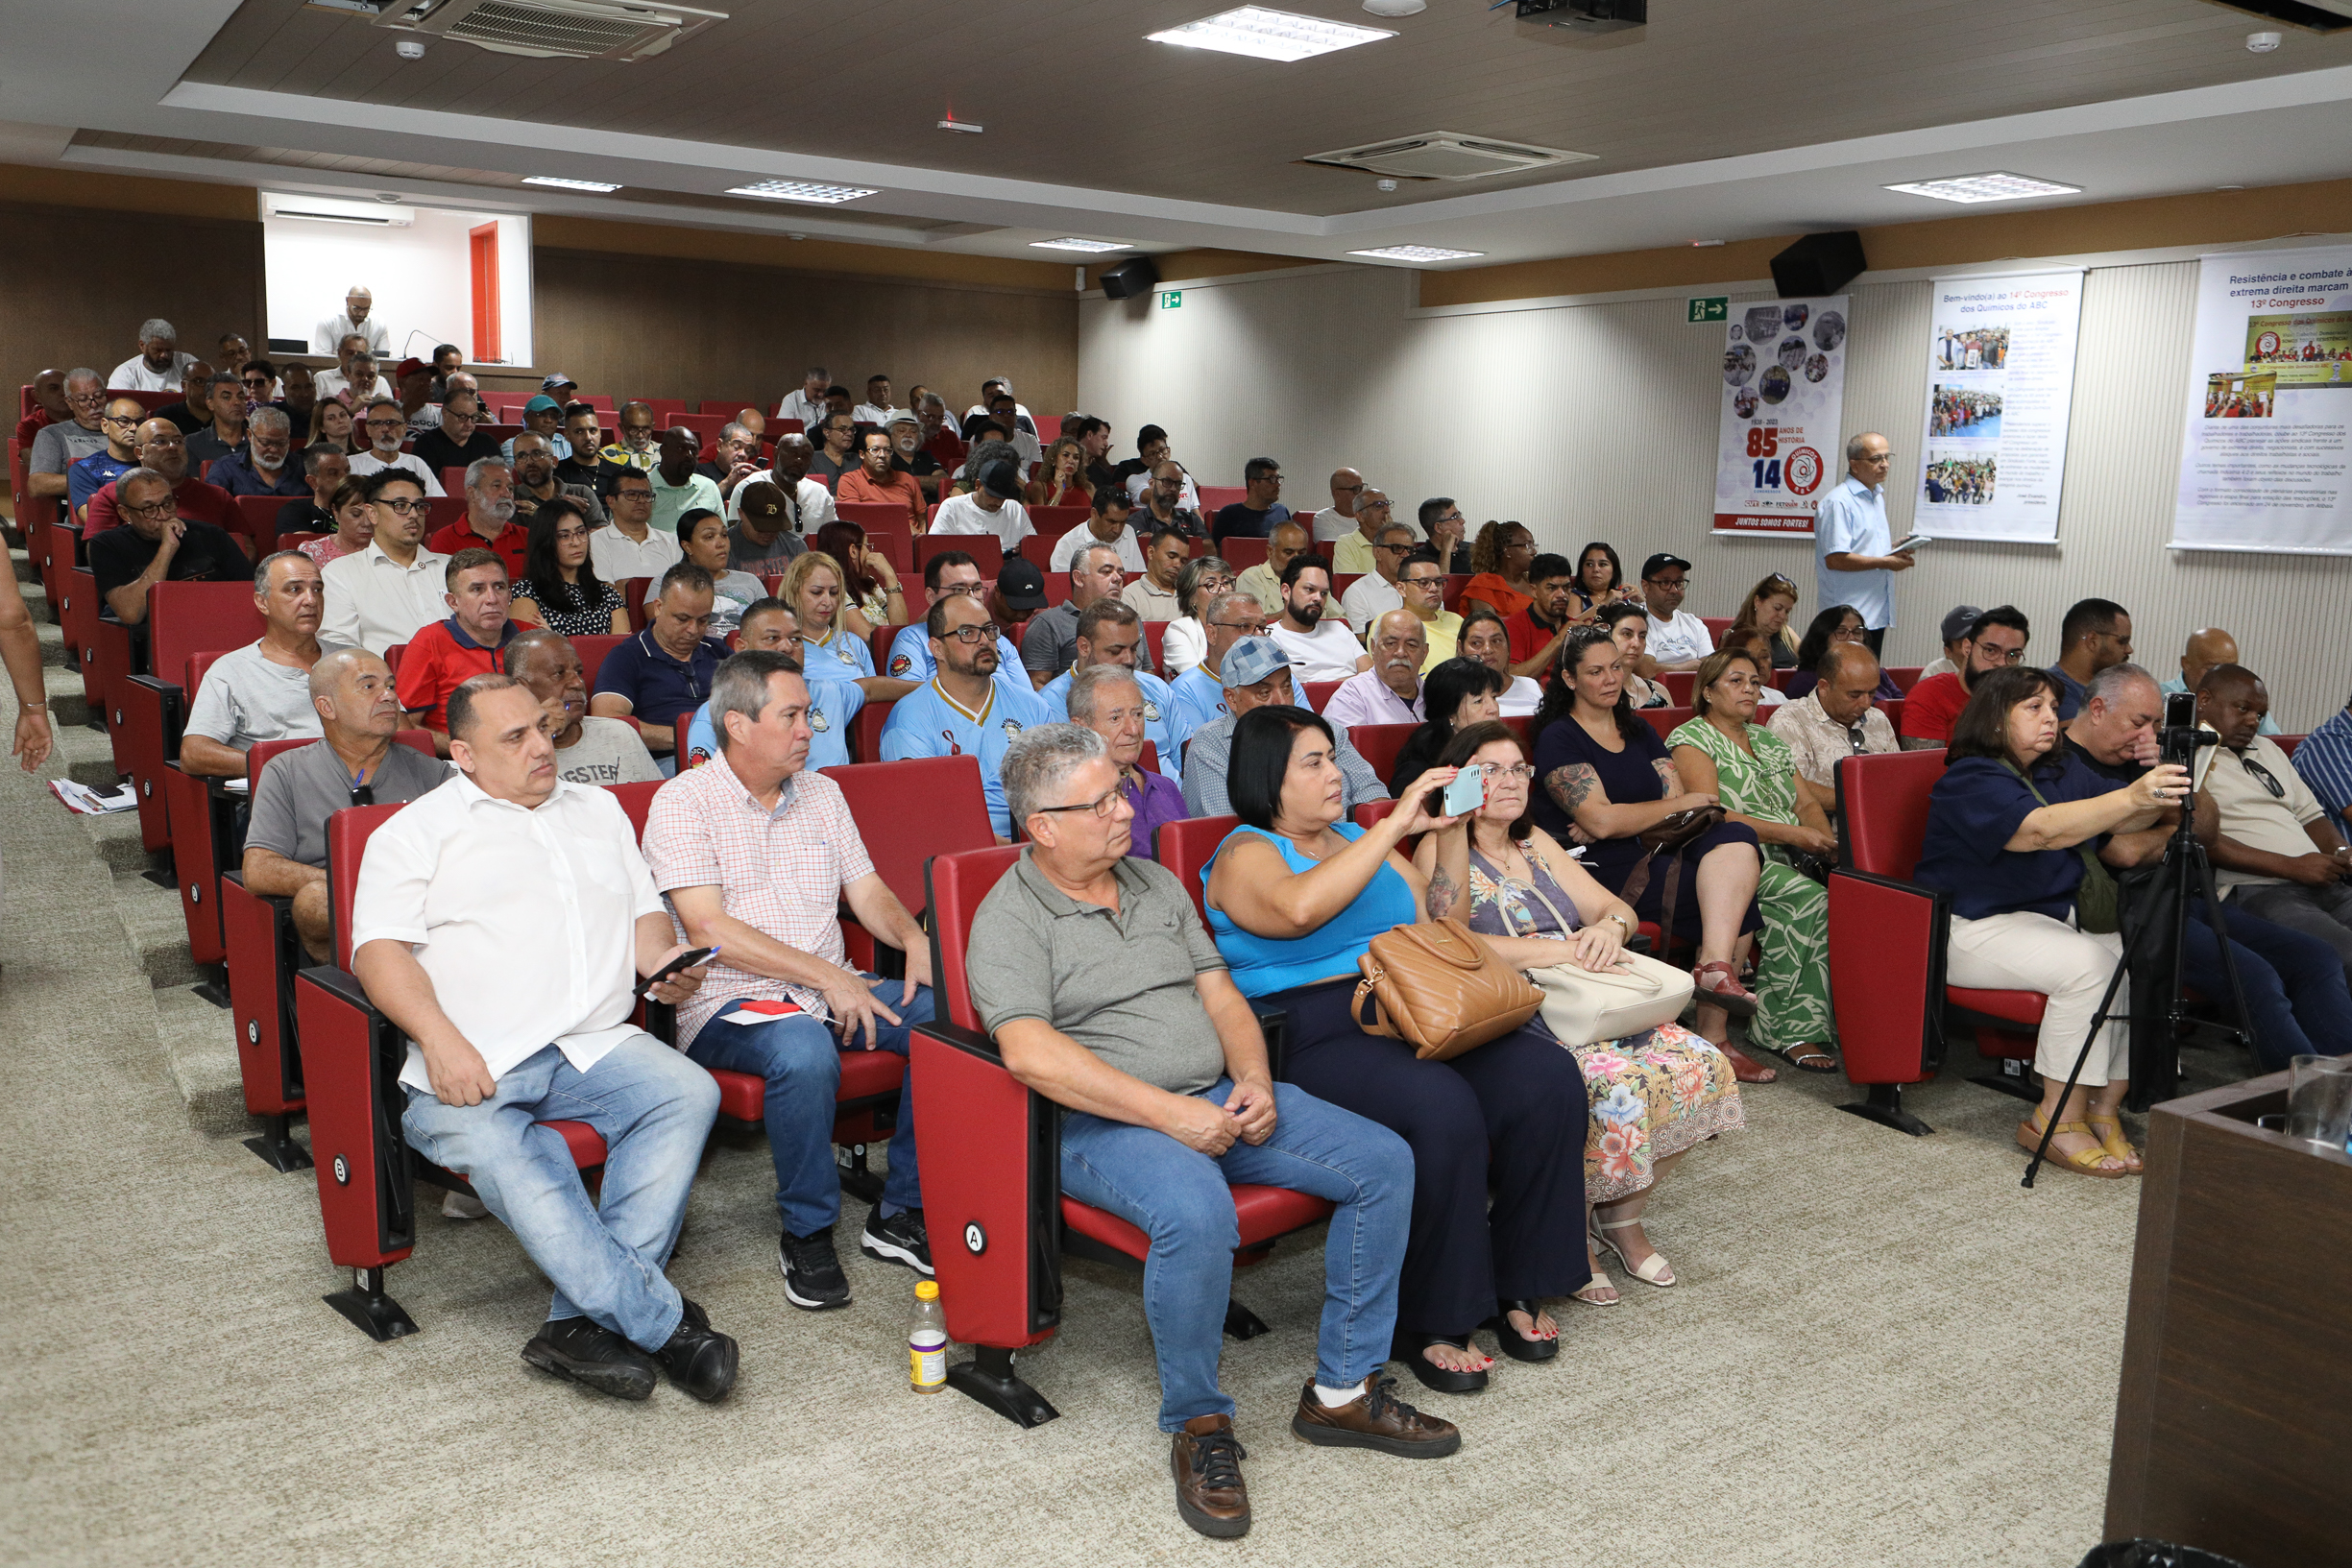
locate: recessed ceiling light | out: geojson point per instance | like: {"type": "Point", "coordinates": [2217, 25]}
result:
{"type": "Point", "coordinates": [1986, 187]}
{"type": "Point", "coordinates": [1074, 243]}
{"type": "Point", "coordinates": [1270, 34]}
{"type": "Point", "coordinates": [1418, 252]}
{"type": "Point", "coordinates": [567, 184]}
{"type": "Point", "coordinates": [1397, 7]}
{"type": "Point", "coordinates": [802, 190]}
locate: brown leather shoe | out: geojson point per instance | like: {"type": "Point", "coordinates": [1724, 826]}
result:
{"type": "Point", "coordinates": [1206, 1460]}
{"type": "Point", "coordinates": [1377, 1419]}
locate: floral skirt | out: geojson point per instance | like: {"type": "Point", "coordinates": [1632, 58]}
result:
{"type": "Point", "coordinates": [1654, 1094]}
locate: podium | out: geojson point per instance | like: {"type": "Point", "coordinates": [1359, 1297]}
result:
{"type": "Point", "coordinates": [2233, 1427]}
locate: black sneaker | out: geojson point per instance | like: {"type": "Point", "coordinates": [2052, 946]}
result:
{"type": "Point", "coordinates": [900, 1239]}
{"type": "Point", "coordinates": [587, 1352]}
{"type": "Point", "coordinates": [813, 1277]}
{"type": "Point", "coordinates": [698, 1358]}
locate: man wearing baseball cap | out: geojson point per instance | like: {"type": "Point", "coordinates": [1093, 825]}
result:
{"type": "Point", "coordinates": [558, 386]}
{"type": "Point", "coordinates": [1678, 639]}
{"type": "Point", "coordinates": [1257, 674]}
{"type": "Point", "coordinates": [540, 418]}
{"type": "Point", "coordinates": [1956, 623]}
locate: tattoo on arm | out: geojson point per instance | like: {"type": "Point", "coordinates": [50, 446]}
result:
{"type": "Point", "coordinates": [1573, 783]}
{"type": "Point", "coordinates": [1669, 782]}
{"type": "Point", "coordinates": [1442, 894]}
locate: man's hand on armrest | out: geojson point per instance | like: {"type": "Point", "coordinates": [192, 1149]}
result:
{"type": "Point", "coordinates": [400, 989]}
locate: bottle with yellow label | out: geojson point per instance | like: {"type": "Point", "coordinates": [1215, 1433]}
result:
{"type": "Point", "coordinates": [927, 1341]}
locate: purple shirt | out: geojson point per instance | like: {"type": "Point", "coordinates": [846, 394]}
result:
{"type": "Point", "coordinates": [1160, 800]}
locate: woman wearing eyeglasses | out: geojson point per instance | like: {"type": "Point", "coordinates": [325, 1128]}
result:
{"type": "Point", "coordinates": [1186, 641]}
{"type": "Point", "coordinates": [2015, 828]}
{"type": "Point", "coordinates": [559, 589]}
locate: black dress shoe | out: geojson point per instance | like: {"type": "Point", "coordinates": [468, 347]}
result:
{"type": "Point", "coordinates": [587, 1352]}
{"type": "Point", "coordinates": [1408, 1348]}
{"type": "Point", "coordinates": [698, 1358]}
{"type": "Point", "coordinates": [1521, 1347]}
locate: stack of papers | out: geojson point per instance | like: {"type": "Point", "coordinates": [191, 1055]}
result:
{"type": "Point", "coordinates": [82, 799]}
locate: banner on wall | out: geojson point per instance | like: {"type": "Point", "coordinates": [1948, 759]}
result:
{"type": "Point", "coordinates": [1783, 390]}
{"type": "Point", "coordinates": [2001, 385]}
{"type": "Point", "coordinates": [2269, 419]}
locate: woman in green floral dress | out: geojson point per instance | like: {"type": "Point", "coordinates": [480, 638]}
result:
{"type": "Point", "coordinates": [1753, 772]}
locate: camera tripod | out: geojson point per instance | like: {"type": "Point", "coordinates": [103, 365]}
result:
{"type": "Point", "coordinates": [2184, 872]}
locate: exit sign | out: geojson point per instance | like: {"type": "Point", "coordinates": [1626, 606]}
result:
{"type": "Point", "coordinates": [1171, 299]}
{"type": "Point", "coordinates": [1716, 309]}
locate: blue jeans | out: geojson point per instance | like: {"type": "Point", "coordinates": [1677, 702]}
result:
{"type": "Point", "coordinates": [652, 1109]}
{"type": "Point", "coordinates": [1183, 1199]}
{"type": "Point", "coordinates": [2294, 985]}
{"type": "Point", "coordinates": [801, 1059]}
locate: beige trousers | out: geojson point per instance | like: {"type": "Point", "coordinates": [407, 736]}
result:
{"type": "Point", "coordinates": [2024, 952]}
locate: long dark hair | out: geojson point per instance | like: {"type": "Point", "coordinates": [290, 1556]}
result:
{"type": "Point", "coordinates": [546, 574]}
{"type": "Point", "coordinates": [1817, 636]}
{"type": "Point", "coordinates": [1559, 685]}
{"type": "Point", "coordinates": [1444, 689]}
{"type": "Point", "coordinates": [1260, 758]}
{"type": "Point", "coordinates": [1616, 567]}
{"type": "Point", "coordinates": [835, 540]}
{"type": "Point", "coordinates": [1474, 738]}
{"type": "Point", "coordinates": [1982, 729]}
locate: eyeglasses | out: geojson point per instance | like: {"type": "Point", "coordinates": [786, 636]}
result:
{"type": "Point", "coordinates": [1421, 582]}
{"type": "Point", "coordinates": [970, 591]}
{"type": "Point", "coordinates": [1508, 772]}
{"type": "Point", "coordinates": [118, 419]}
{"type": "Point", "coordinates": [406, 507]}
{"type": "Point", "coordinates": [2278, 791]}
{"type": "Point", "coordinates": [388, 424]}
{"type": "Point", "coordinates": [1101, 806]}
{"type": "Point", "coordinates": [571, 535]}
{"type": "Point", "coordinates": [165, 507]}
{"type": "Point", "coordinates": [973, 635]}
{"type": "Point", "coordinates": [257, 381]}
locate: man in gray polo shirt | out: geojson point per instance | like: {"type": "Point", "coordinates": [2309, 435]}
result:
{"type": "Point", "coordinates": [1257, 674]}
{"type": "Point", "coordinates": [1104, 994]}
{"type": "Point", "coordinates": [357, 762]}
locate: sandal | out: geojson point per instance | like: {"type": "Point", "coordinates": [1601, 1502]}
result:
{"type": "Point", "coordinates": [2084, 1163]}
{"type": "Point", "coordinates": [1598, 1291]}
{"type": "Point", "coordinates": [2109, 1131]}
{"type": "Point", "coordinates": [1730, 996]}
{"type": "Point", "coordinates": [1806, 1056]}
{"type": "Point", "coordinates": [1521, 1347]}
{"type": "Point", "coordinates": [1745, 1068]}
{"type": "Point", "coordinates": [1652, 1270]}
{"type": "Point", "coordinates": [1408, 1348]}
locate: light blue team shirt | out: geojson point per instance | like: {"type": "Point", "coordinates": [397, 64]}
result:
{"type": "Point", "coordinates": [832, 705]}
{"type": "Point", "coordinates": [910, 659]}
{"type": "Point", "coordinates": [1199, 699]}
{"type": "Point", "coordinates": [2176, 687]}
{"type": "Point", "coordinates": [842, 656]}
{"type": "Point", "coordinates": [1160, 725]}
{"type": "Point", "coordinates": [1853, 519]}
{"type": "Point", "coordinates": [925, 723]}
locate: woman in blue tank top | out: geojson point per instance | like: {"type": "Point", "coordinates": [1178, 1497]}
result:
{"type": "Point", "coordinates": [1294, 898]}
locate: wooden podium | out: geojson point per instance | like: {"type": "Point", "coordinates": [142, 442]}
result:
{"type": "Point", "coordinates": [2233, 1429]}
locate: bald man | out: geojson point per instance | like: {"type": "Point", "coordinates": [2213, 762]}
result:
{"type": "Point", "coordinates": [2208, 646]}
{"type": "Point", "coordinates": [1339, 519]}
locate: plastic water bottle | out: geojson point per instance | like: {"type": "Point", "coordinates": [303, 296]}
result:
{"type": "Point", "coordinates": [926, 1340]}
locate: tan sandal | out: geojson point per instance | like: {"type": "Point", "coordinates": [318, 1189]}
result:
{"type": "Point", "coordinates": [2109, 1131]}
{"type": "Point", "coordinates": [2084, 1163]}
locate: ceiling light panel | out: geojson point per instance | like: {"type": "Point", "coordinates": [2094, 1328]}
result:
{"type": "Point", "coordinates": [1270, 34]}
{"type": "Point", "coordinates": [1986, 187]}
{"type": "Point", "coordinates": [803, 190]}
{"type": "Point", "coordinates": [567, 184]}
{"type": "Point", "coordinates": [1418, 252]}
{"type": "Point", "coordinates": [1074, 243]}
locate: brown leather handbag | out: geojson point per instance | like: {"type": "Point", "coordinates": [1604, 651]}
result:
{"type": "Point", "coordinates": [1668, 836]}
{"type": "Point", "coordinates": [1440, 990]}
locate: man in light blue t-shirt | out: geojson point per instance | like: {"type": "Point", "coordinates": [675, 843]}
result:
{"type": "Point", "coordinates": [964, 710]}
{"type": "Point", "coordinates": [1853, 545]}
{"type": "Point", "coordinates": [949, 572]}
{"type": "Point", "coordinates": [1108, 633]}
{"type": "Point", "coordinates": [770, 625]}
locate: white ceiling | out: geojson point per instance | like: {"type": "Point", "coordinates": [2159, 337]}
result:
{"type": "Point", "coordinates": [1810, 130]}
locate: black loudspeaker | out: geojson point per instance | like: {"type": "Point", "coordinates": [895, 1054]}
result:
{"type": "Point", "coordinates": [1818, 264]}
{"type": "Point", "coordinates": [1129, 279]}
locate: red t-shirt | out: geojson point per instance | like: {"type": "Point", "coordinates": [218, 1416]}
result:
{"type": "Point", "coordinates": [204, 502]}
{"type": "Point", "coordinates": [948, 448]}
{"type": "Point", "coordinates": [1527, 639]}
{"type": "Point", "coordinates": [1930, 707]}
{"type": "Point", "coordinates": [460, 536]}
{"type": "Point", "coordinates": [30, 426]}
{"type": "Point", "coordinates": [438, 658]}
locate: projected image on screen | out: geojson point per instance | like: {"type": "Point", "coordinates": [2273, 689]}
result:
{"type": "Point", "coordinates": [430, 275]}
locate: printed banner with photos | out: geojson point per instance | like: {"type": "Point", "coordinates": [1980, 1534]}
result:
{"type": "Point", "coordinates": [1783, 390]}
{"type": "Point", "coordinates": [2269, 420]}
{"type": "Point", "coordinates": [2000, 386]}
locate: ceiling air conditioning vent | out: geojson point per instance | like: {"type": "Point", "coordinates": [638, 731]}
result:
{"type": "Point", "coordinates": [619, 29]}
{"type": "Point", "coordinates": [1446, 155]}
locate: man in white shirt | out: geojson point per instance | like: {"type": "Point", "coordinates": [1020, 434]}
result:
{"type": "Point", "coordinates": [808, 504]}
{"type": "Point", "coordinates": [1151, 447]}
{"type": "Point", "coordinates": [632, 546]}
{"type": "Point", "coordinates": [393, 588]}
{"type": "Point", "coordinates": [1320, 648]}
{"type": "Point", "coordinates": [504, 921]}
{"type": "Point", "coordinates": [1853, 544]}
{"type": "Point", "coordinates": [261, 691]}
{"type": "Point", "coordinates": [877, 409]}
{"type": "Point", "coordinates": [158, 366]}
{"type": "Point", "coordinates": [1106, 523]}
{"type": "Point", "coordinates": [357, 381]}
{"type": "Point", "coordinates": [1678, 639]}
{"type": "Point", "coordinates": [387, 427]}
{"type": "Point", "coordinates": [677, 488]}
{"type": "Point", "coordinates": [1339, 519]}
{"type": "Point", "coordinates": [1375, 594]}
{"type": "Point", "coordinates": [993, 508]}
{"type": "Point", "coordinates": [1390, 692]}
{"type": "Point", "coordinates": [807, 402]}
{"type": "Point", "coordinates": [990, 389]}
{"type": "Point", "coordinates": [328, 336]}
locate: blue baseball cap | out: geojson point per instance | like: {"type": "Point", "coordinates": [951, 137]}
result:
{"type": "Point", "coordinates": [1252, 660]}
{"type": "Point", "coordinates": [541, 403]}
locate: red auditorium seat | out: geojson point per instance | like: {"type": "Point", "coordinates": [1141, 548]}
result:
{"type": "Point", "coordinates": [591, 649]}
{"type": "Point", "coordinates": [1240, 554]}
{"type": "Point", "coordinates": [886, 530]}
{"type": "Point", "coordinates": [2287, 742]}
{"type": "Point", "coordinates": [1906, 676]}
{"type": "Point", "coordinates": [631, 592]}
{"type": "Point", "coordinates": [1716, 626]}
{"type": "Point", "coordinates": [1886, 946]}
{"type": "Point", "coordinates": [879, 646]}
{"type": "Point", "coordinates": [865, 732]}
{"type": "Point", "coordinates": [991, 1167]}
{"type": "Point", "coordinates": [1317, 694]}
{"type": "Point", "coordinates": [1156, 637]}
{"type": "Point", "coordinates": [259, 513]}
{"type": "Point", "coordinates": [907, 812]}
{"type": "Point", "coordinates": [1215, 498]}
{"type": "Point", "coordinates": [1380, 745]}
{"type": "Point", "coordinates": [1186, 846]}
{"type": "Point", "coordinates": [1053, 521]}
{"type": "Point", "coordinates": [1679, 683]}
{"type": "Point", "coordinates": [1665, 720]}
{"type": "Point", "coordinates": [986, 551]}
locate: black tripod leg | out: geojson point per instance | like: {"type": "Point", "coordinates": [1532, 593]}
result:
{"type": "Point", "coordinates": [2098, 1022]}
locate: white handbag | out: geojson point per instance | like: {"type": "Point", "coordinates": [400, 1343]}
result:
{"type": "Point", "coordinates": [1582, 1005]}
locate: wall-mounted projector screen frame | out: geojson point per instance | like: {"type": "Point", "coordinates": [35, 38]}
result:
{"type": "Point", "coordinates": [439, 274]}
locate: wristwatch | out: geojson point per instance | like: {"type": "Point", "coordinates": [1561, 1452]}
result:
{"type": "Point", "coordinates": [1629, 927]}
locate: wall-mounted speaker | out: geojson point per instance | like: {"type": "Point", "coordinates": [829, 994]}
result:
{"type": "Point", "coordinates": [1129, 279]}
{"type": "Point", "coordinates": [1818, 264]}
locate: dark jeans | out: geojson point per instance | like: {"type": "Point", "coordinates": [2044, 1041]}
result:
{"type": "Point", "coordinates": [1511, 1113]}
{"type": "Point", "coordinates": [2294, 985]}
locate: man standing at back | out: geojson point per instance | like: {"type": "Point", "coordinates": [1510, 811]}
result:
{"type": "Point", "coordinates": [1853, 546]}
{"type": "Point", "coordinates": [503, 923]}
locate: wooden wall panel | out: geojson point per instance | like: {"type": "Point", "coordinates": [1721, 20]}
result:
{"type": "Point", "coordinates": [656, 328]}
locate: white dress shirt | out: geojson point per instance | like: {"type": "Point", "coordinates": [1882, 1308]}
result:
{"type": "Point", "coordinates": [1328, 653]}
{"type": "Point", "coordinates": [799, 406]}
{"type": "Point", "coordinates": [374, 602]}
{"type": "Point", "coordinates": [367, 463]}
{"type": "Point", "coordinates": [331, 383]}
{"type": "Point", "coordinates": [326, 338]}
{"type": "Point", "coordinates": [873, 414]}
{"type": "Point", "coordinates": [1065, 548]}
{"type": "Point", "coordinates": [816, 502]}
{"type": "Point", "coordinates": [525, 919]}
{"type": "Point", "coordinates": [1010, 523]}
{"type": "Point", "coordinates": [617, 556]}
{"type": "Point", "coordinates": [1362, 699]}
{"type": "Point", "coordinates": [1367, 598]}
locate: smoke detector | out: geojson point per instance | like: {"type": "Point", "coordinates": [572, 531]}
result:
{"type": "Point", "coordinates": [616, 30]}
{"type": "Point", "coordinates": [1445, 154]}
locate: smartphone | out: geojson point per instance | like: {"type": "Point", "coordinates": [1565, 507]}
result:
{"type": "Point", "coordinates": [684, 961]}
{"type": "Point", "coordinates": [2181, 711]}
{"type": "Point", "coordinates": [1466, 794]}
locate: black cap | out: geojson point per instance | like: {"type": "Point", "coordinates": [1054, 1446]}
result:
{"type": "Point", "coordinates": [1020, 585]}
{"type": "Point", "coordinates": [1649, 568]}
{"type": "Point", "coordinates": [1002, 480]}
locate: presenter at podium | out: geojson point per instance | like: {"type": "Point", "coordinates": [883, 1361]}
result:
{"type": "Point", "coordinates": [326, 338]}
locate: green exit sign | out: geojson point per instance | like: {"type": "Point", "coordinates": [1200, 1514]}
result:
{"type": "Point", "coordinates": [1716, 309]}
{"type": "Point", "coordinates": [1171, 299]}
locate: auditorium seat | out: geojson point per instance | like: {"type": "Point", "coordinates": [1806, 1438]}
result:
{"type": "Point", "coordinates": [986, 550]}
{"type": "Point", "coordinates": [1186, 846]}
{"type": "Point", "coordinates": [886, 530]}
{"type": "Point", "coordinates": [1887, 940]}
{"type": "Point", "coordinates": [1716, 626]}
{"type": "Point", "coordinates": [148, 710]}
{"type": "Point", "coordinates": [259, 513]}
{"type": "Point", "coordinates": [633, 592]}
{"type": "Point", "coordinates": [1317, 694]}
{"type": "Point", "coordinates": [1241, 553]}
{"type": "Point", "coordinates": [1037, 550]}
{"type": "Point", "coordinates": [908, 811]}
{"type": "Point", "coordinates": [1215, 498]}
{"type": "Point", "coordinates": [1679, 685]}
{"type": "Point", "coordinates": [991, 1164]}
{"type": "Point", "coordinates": [2287, 742]}
{"type": "Point", "coordinates": [1053, 521]}
{"type": "Point", "coordinates": [865, 732]}
{"type": "Point", "coordinates": [1905, 676]}
{"type": "Point", "coordinates": [1156, 637]}
{"type": "Point", "coordinates": [1380, 745]}
{"type": "Point", "coordinates": [1665, 720]}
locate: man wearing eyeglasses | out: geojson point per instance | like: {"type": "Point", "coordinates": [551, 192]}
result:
{"type": "Point", "coordinates": [117, 453]}
{"type": "Point", "coordinates": [460, 439]}
{"type": "Point", "coordinates": [1375, 594]}
{"type": "Point", "coordinates": [78, 433]}
{"type": "Point", "coordinates": [154, 544]}
{"type": "Point", "coordinates": [1995, 640]}
{"type": "Point", "coordinates": [964, 710]}
{"type": "Point", "coordinates": [1357, 552]}
{"type": "Point", "coordinates": [1169, 500]}
{"type": "Point", "coordinates": [163, 451]}
{"type": "Point", "coordinates": [1200, 692]}
{"type": "Point", "coordinates": [1839, 717]}
{"type": "Point", "coordinates": [393, 588]}
{"type": "Point", "coordinates": [634, 452]}
{"type": "Point", "coordinates": [387, 427]}
{"type": "Point", "coordinates": [1422, 583]}
{"type": "Point", "coordinates": [948, 573]}
{"type": "Point", "coordinates": [2278, 857]}
{"type": "Point", "coordinates": [1678, 639]}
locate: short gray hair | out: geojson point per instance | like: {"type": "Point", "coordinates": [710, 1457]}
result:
{"type": "Point", "coordinates": [155, 327]}
{"type": "Point", "coordinates": [1038, 764]}
{"type": "Point", "coordinates": [261, 568]}
{"type": "Point", "coordinates": [270, 419]}
{"type": "Point", "coordinates": [476, 469]}
{"type": "Point", "coordinates": [2108, 685]}
{"type": "Point", "coordinates": [124, 480]}
{"type": "Point", "coordinates": [1855, 450]}
{"type": "Point", "coordinates": [1085, 683]}
{"type": "Point", "coordinates": [734, 430]}
{"type": "Point", "coordinates": [83, 372]}
{"type": "Point", "coordinates": [741, 687]}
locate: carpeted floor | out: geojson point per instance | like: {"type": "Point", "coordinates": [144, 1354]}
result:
{"type": "Point", "coordinates": [1880, 1351]}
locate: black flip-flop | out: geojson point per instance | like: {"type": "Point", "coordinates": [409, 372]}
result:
{"type": "Point", "coordinates": [1521, 1347]}
{"type": "Point", "coordinates": [1408, 1348]}
{"type": "Point", "coordinates": [1813, 1060]}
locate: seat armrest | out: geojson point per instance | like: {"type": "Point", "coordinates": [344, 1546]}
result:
{"type": "Point", "coordinates": [991, 1164]}
{"type": "Point", "coordinates": [1886, 976]}
{"type": "Point", "coordinates": [351, 1060]}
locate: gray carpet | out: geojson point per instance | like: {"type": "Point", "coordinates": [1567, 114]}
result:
{"type": "Point", "coordinates": [1880, 1351]}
